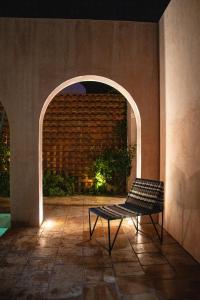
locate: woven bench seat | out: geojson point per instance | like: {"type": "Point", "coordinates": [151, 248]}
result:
{"type": "Point", "coordinates": [146, 197]}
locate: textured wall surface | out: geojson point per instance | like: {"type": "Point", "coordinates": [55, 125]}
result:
{"type": "Point", "coordinates": [180, 121]}
{"type": "Point", "coordinates": [78, 128]}
{"type": "Point", "coordinates": [38, 55]}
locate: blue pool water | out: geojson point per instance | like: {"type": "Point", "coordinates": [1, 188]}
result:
{"type": "Point", "coordinates": [5, 222]}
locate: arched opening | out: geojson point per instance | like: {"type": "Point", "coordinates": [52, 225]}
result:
{"type": "Point", "coordinates": [89, 78]}
{"type": "Point", "coordinates": [5, 216]}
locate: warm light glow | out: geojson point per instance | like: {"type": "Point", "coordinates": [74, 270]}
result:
{"type": "Point", "coordinates": [129, 221]}
{"type": "Point", "coordinates": [100, 180]}
{"type": "Point", "coordinates": [49, 224]}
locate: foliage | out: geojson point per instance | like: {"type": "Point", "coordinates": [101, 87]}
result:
{"type": "Point", "coordinates": [120, 131]}
{"type": "Point", "coordinates": [4, 184]}
{"type": "Point", "coordinates": [4, 156]}
{"type": "Point", "coordinates": [57, 184]}
{"type": "Point", "coordinates": [111, 169]}
{"type": "Point", "coordinates": [4, 169]}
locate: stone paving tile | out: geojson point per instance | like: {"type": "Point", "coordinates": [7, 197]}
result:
{"type": "Point", "coordinates": [69, 260]}
{"type": "Point", "coordinates": [32, 277]}
{"type": "Point", "coordinates": [134, 286]}
{"type": "Point", "coordinates": [15, 258]}
{"type": "Point", "coordinates": [151, 259]}
{"type": "Point", "coordinates": [10, 270]}
{"type": "Point", "coordinates": [7, 285]}
{"type": "Point", "coordinates": [16, 233]}
{"type": "Point", "coordinates": [30, 292]}
{"type": "Point", "coordinates": [93, 276]}
{"type": "Point", "coordinates": [100, 291]}
{"type": "Point", "coordinates": [7, 242]}
{"type": "Point", "coordinates": [58, 225]}
{"type": "Point", "coordinates": [71, 243]}
{"type": "Point", "coordinates": [70, 250]}
{"type": "Point", "coordinates": [178, 289]}
{"type": "Point", "coordinates": [65, 290]}
{"type": "Point", "coordinates": [59, 261]}
{"type": "Point", "coordinates": [138, 238]}
{"type": "Point", "coordinates": [190, 271]}
{"type": "Point", "coordinates": [44, 252]}
{"type": "Point", "coordinates": [92, 251]}
{"type": "Point", "coordinates": [159, 271]}
{"type": "Point", "coordinates": [128, 269]}
{"type": "Point", "coordinates": [25, 243]}
{"type": "Point", "coordinates": [147, 247]}
{"type": "Point", "coordinates": [96, 261]}
{"type": "Point", "coordinates": [123, 255]}
{"type": "Point", "coordinates": [51, 234]}
{"type": "Point", "coordinates": [180, 260]}
{"type": "Point", "coordinates": [42, 264]}
{"type": "Point", "coordinates": [174, 248]}
{"type": "Point", "coordinates": [47, 242]}
{"type": "Point", "coordinates": [68, 273]}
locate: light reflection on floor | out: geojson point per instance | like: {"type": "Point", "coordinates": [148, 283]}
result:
{"type": "Point", "coordinates": [58, 261]}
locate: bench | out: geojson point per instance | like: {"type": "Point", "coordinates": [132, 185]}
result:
{"type": "Point", "coordinates": [146, 197]}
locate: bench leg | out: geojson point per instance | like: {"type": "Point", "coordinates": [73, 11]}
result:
{"type": "Point", "coordinates": [95, 223]}
{"type": "Point", "coordinates": [160, 235]}
{"type": "Point", "coordinates": [111, 245]}
{"type": "Point", "coordinates": [135, 225]}
{"type": "Point", "coordinates": [109, 239]}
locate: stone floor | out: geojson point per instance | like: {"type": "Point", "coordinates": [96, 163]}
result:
{"type": "Point", "coordinates": [58, 261]}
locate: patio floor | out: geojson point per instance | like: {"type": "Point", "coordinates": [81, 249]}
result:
{"type": "Point", "coordinates": [58, 261]}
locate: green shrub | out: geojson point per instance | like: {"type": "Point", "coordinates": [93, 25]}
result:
{"type": "Point", "coordinates": [4, 184]}
{"type": "Point", "coordinates": [4, 169]}
{"type": "Point", "coordinates": [4, 156]}
{"type": "Point", "coordinates": [111, 169]}
{"type": "Point", "coordinates": [56, 191]}
{"type": "Point", "coordinates": [57, 184]}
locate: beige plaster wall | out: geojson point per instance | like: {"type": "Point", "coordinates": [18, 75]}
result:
{"type": "Point", "coordinates": [180, 121]}
{"type": "Point", "coordinates": [131, 141]}
{"type": "Point", "coordinates": [37, 55]}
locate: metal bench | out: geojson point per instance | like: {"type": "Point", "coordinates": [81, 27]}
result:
{"type": "Point", "coordinates": [146, 197]}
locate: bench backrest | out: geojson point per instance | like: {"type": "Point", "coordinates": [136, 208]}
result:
{"type": "Point", "coordinates": [147, 194]}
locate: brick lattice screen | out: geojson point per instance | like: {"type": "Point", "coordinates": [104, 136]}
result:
{"type": "Point", "coordinates": [77, 128]}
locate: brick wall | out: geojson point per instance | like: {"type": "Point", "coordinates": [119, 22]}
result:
{"type": "Point", "coordinates": [77, 128]}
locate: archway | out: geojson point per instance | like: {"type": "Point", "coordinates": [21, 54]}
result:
{"type": "Point", "coordinates": [79, 79]}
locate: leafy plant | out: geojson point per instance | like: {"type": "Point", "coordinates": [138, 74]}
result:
{"type": "Point", "coordinates": [57, 184]}
{"type": "Point", "coordinates": [4, 169]}
{"type": "Point", "coordinates": [111, 169]}
{"type": "Point", "coordinates": [4, 184]}
{"type": "Point", "coordinates": [4, 156]}
{"type": "Point", "coordinates": [120, 131]}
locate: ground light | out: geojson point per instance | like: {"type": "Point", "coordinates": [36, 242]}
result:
{"type": "Point", "coordinates": [49, 224]}
{"type": "Point", "coordinates": [5, 223]}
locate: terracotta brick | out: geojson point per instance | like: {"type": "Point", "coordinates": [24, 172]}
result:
{"type": "Point", "coordinates": [74, 124]}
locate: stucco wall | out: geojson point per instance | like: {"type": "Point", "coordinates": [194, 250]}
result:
{"type": "Point", "coordinates": [180, 121]}
{"type": "Point", "coordinates": [132, 140]}
{"type": "Point", "coordinates": [37, 55]}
